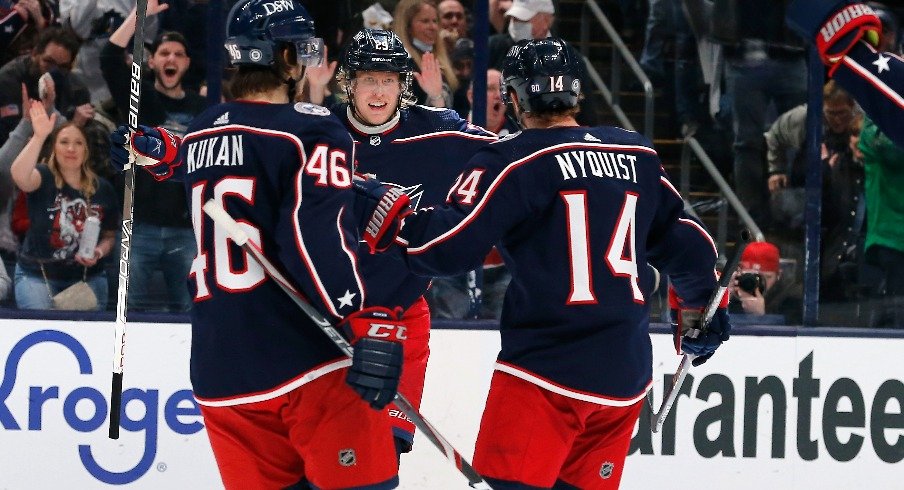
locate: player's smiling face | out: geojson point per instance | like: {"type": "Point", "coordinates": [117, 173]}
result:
{"type": "Point", "coordinates": [169, 62]}
{"type": "Point", "coordinates": [376, 96]}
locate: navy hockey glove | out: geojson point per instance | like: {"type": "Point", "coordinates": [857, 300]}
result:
{"type": "Point", "coordinates": [834, 26]}
{"type": "Point", "coordinates": [691, 336]}
{"type": "Point", "coordinates": [156, 150]}
{"type": "Point", "coordinates": [382, 209]}
{"type": "Point", "coordinates": [376, 335]}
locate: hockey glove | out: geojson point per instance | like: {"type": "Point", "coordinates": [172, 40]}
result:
{"type": "Point", "coordinates": [835, 27]}
{"type": "Point", "coordinates": [376, 335]}
{"type": "Point", "coordinates": [156, 150]}
{"type": "Point", "coordinates": [691, 336]}
{"type": "Point", "coordinates": [382, 209]}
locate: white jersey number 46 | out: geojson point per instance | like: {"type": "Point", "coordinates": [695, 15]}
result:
{"type": "Point", "coordinates": [621, 256]}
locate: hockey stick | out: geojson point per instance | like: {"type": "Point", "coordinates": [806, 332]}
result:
{"type": "Point", "coordinates": [239, 237]}
{"type": "Point", "coordinates": [125, 244]}
{"type": "Point", "coordinates": [671, 395]}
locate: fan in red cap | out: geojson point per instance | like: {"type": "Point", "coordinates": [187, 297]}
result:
{"type": "Point", "coordinates": [759, 288]}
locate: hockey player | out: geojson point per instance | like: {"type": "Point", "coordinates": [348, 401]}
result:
{"type": "Point", "coordinates": [417, 149]}
{"type": "Point", "coordinates": [577, 212]}
{"type": "Point", "coordinates": [271, 386]}
{"type": "Point", "coordinates": [848, 37]}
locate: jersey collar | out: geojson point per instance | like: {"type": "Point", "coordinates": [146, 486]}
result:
{"type": "Point", "coordinates": [368, 129]}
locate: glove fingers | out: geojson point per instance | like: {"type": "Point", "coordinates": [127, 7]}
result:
{"type": "Point", "coordinates": [702, 359]}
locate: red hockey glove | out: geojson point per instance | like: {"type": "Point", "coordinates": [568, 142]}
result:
{"type": "Point", "coordinates": [835, 27]}
{"type": "Point", "coordinates": [843, 30]}
{"type": "Point", "coordinates": [382, 209]}
{"type": "Point", "coordinates": [156, 150]}
{"type": "Point", "coordinates": [691, 336]}
{"type": "Point", "coordinates": [376, 335]}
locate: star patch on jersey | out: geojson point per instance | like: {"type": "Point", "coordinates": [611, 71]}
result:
{"type": "Point", "coordinates": [313, 109]}
{"type": "Point", "coordinates": [882, 63]}
{"type": "Point", "coordinates": [346, 300]}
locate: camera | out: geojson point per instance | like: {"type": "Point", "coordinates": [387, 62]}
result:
{"type": "Point", "coordinates": [751, 281]}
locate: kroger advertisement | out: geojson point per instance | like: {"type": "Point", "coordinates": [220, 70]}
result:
{"type": "Point", "coordinates": [783, 412]}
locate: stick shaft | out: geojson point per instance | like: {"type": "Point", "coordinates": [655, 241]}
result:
{"type": "Point", "coordinates": [232, 228]}
{"type": "Point", "coordinates": [125, 244]}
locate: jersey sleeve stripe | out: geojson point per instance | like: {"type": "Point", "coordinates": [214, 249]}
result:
{"type": "Point", "coordinates": [299, 237]}
{"type": "Point", "coordinates": [702, 231]}
{"type": "Point", "coordinates": [671, 187]}
{"type": "Point", "coordinates": [351, 257]}
{"type": "Point", "coordinates": [503, 174]}
{"type": "Point", "coordinates": [875, 81]}
{"type": "Point", "coordinates": [561, 390]}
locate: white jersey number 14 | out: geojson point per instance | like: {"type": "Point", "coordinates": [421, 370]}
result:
{"type": "Point", "coordinates": [621, 257]}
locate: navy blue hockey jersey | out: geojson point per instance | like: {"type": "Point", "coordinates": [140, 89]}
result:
{"type": "Point", "coordinates": [876, 81]}
{"type": "Point", "coordinates": [578, 213]}
{"type": "Point", "coordinates": [421, 152]}
{"type": "Point", "coordinates": [284, 172]}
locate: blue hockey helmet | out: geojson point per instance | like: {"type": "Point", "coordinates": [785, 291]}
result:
{"type": "Point", "coordinates": [543, 74]}
{"type": "Point", "coordinates": [257, 27]}
{"type": "Point", "coordinates": [377, 50]}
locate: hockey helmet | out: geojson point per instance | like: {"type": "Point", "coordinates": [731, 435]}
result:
{"type": "Point", "coordinates": [377, 50]}
{"type": "Point", "coordinates": [255, 28]}
{"type": "Point", "coordinates": [543, 74]}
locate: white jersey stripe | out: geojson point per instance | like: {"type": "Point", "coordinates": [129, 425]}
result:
{"type": "Point", "coordinates": [577, 395]}
{"type": "Point", "coordinates": [305, 378]}
{"type": "Point", "coordinates": [702, 232]}
{"type": "Point", "coordinates": [440, 134]}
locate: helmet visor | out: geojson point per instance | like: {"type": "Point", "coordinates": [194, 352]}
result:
{"type": "Point", "coordinates": [310, 51]}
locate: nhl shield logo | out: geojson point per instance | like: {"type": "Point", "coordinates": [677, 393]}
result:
{"type": "Point", "coordinates": [606, 470]}
{"type": "Point", "coordinates": [347, 457]}
{"type": "Point", "coordinates": [374, 140]}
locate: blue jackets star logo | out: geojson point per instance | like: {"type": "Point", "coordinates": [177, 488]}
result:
{"type": "Point", "coordinates": [346, 300]}
{"type": "Point", "coordinates": [414, 192]}
{"type": "Point", "coordinates": [882, 63]}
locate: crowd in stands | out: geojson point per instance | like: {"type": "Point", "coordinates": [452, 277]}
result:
{"type": "Point", "coordinates": [736, 80]}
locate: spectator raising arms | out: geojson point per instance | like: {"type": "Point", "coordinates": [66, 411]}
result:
{"type": "Point", "coordinates": [62, 195]}
{"type": "Point", "coordinates": [417, 25]}
{"type": "Point", "coordinates": [162, 234]}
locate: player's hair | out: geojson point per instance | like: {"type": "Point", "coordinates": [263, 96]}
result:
{"type": "Point", "coordinates": [404, 12]}
{"type": "Point", "coordinates": [88, 177]}
{"type": "Point", "coordinates": [547, 117]}
{"type": "Point", "coordinates": [255, 79]}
